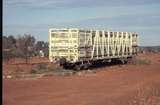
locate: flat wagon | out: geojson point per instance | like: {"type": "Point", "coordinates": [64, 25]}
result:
{"type": "Point", "coordinates": [80, 48]}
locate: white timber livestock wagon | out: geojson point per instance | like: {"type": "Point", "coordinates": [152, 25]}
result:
{"type": "Point", "coordinates": [81, 48]}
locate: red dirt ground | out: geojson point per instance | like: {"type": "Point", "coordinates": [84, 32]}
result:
{"type": "Point", "coordinates": [114, 85]}
{"type": "Point", "coordinates": [12, 65]}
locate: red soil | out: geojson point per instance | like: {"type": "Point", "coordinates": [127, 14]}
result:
{"type": "Point", "coordinates": [15, 64]}
{"type": "Point", "coordinates": [114, 85]}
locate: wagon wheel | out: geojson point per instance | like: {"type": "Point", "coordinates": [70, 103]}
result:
{"type": "Point", "coordinates": [123, 61]}
{"type": "Point", "coordinates": [130, 60]}
{"type": "Point", "coordinates": [62, 61]}
{"type": "Point", "coordinates": [77, 67]}
{"type": "Point", "coordinates": [86, 66]}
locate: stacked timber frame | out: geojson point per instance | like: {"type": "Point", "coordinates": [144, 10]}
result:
{"type": "Point", "coordinates": [77, 45]}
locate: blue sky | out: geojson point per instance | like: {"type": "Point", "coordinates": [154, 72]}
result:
{"type": "Point", "coordinates": [35, 17]}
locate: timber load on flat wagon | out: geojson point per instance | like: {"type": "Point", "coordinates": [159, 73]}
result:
{"type": "Point", "coordinates": [79, 48]}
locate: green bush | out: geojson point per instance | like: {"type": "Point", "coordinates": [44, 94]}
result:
{"type": "Point", "coordinates": [41, 66]}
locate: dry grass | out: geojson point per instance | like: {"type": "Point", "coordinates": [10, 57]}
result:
{"type": "Point", "coordinates": [138, 61]}
{"type": "Point", "coordinates": [44, 68]}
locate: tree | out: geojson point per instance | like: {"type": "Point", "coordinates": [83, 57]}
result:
{"type": "Point", "coordinates": [26, 44]}
{"type": "Point", "coordinates": [46, 50]}
{"type": "Point", "coordinates": [9, 43]}
{"type": "Point", "coordinates": [22, 46]}
{"type": "Point", "coordinates": [41, 45]}
{"type": "Point", "coordinates": [12, 41]}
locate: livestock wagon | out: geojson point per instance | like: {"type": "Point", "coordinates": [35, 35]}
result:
{"type": "Point", "coordinates": [81, 48]}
